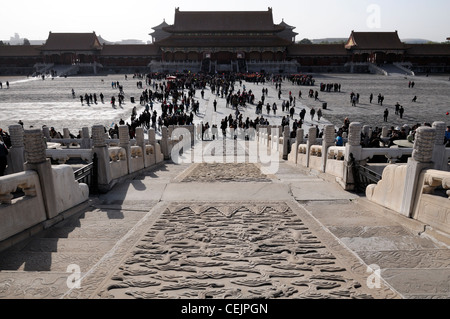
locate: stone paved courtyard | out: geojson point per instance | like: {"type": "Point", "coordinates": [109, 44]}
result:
{"type": "Point", "coordinates": [50, 102]}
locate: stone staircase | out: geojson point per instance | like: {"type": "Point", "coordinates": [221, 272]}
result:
{"type": "Point", "coordinates": [395, 70]}
{"type": "Point", "coordinates": [41, 266]}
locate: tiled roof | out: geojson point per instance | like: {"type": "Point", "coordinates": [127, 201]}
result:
{"type": "Point", "coordinates": [224, 21]}
{"type": "Point", "coordinates": [72, 41]}
{"type": "Point", "coordinates": [375, 40]}
{"type": "Point", "coordinates": [19, 50]}
{"type": "Point", "coordinates": [428, 49]}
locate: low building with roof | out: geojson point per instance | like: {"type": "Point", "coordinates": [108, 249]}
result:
{"type": "Point", "coordinates": [226, 41]}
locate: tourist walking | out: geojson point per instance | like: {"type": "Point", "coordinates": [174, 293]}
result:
{"type": "Point", "coordinates": [397, 108]}
{"type": "Point", "coordinates": [319, 114]}
{"type": "Point", "coordinates": [401, 111]}
{"type": "Point", "coordinates": [386, 114]}
{"type": "Point", "coordinates": [312, 113]}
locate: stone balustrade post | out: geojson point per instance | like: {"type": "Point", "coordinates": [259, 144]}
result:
{"type": "Point", "coordinates": [100, 148]}
{"type": "Point", "coordinates": [384, 131]}
{"type": "Point", "coordinates": [421, 159]}
{"type": "Point", "coordinates": [353, 150]}
{"type": "Point", "coordinates": [299, 139]}
{"type": "Point", "coordinates": [124, 142]}
{"type": "Point", "coordinates": [192, 133]}
{"type": "Point", "coordinates": [152, 141]}
{"type": "Point", "coordinates": [329, 137]}
{"type": "Point", "coordinates": [16, 156]}
{"type": "Point", "coordinates": [66, 133]}
{"type": "Point", "coordinates": [279, 134]}
{"type": "Point", "coordinates": [46, 132]}
{"type": "Point", "coordinates": [286, 139]}
{"type": "Point", "coordinates": [165, 143]}
{"type": "Point", "coordinates": [268, 135]}
{"type": "Point", "coordinates": [312, 138]}
{"type": "Point", "coordinates": [140, 141]}
{"type": "Point", "coordinates": [85, 138]}
{"type": "Point", "coordinates": [439, 153]}
{"type": "Point", "coordinates": [36, 160]}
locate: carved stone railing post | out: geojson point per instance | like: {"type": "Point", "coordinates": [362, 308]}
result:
{"type": "Point", "coordinates": [286, 139]}
{"type": "Point", "coordinates": [190, 128]}
{"type": "Point", "coordinates": [299, 138]}
{"type": "Point", "coordinates": [66, 133]}
{"type": "Point", "coordinates": [439, 153]}
{"type": "Point", "coordinates": [312, 138]}
{"type": "Point", "coordinates": [328, 141]}
{"type": "Point", "coordinates": [152, 141]}
{"type": "Point", "coordinates": [85, 138]}
{"type": "Point", "coordinates": [353, 150]}
{"type": "Point", "coordinates": [384, 131]}
{"type": "Point", "coordinates": [421, 159]}
{"type": "Point", "coordinates": [46, 132]}
{"type": "Point", "coordinates": [279, 134]}
{"type": "Point", "coordinates": [36, 160]}
{"type": "Point", "coordinates": [165, 143]}
{"type": "Point", "coordinates": [103, 160]}
{"type": "Point", "coordinates": [124, 142]}
{"type": "Point", "coordinates": [140, 141]}
{"type": "Point", "coordinates": [16, 156]}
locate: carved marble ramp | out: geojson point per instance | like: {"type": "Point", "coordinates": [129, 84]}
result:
{"type": "Point", "coordinates": [232, 250]}
{"type": "Point", "coordinates": [39, 268]}
{"type": "Point", "coordinates": [413, 264]}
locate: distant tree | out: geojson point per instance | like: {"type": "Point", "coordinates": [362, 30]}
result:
{"type": "Point", "coordinates": [1, 43]}
{"type": "Point", "coordinates": [26, 42]}
{"type": "Point", "coordinates": [306, 41]}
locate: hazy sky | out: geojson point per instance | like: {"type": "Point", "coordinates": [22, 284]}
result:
{"type": "Point", "coordinates": [116, 20]}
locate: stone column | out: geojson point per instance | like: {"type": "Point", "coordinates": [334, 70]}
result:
{"type": "Point", "coordinates": [66, 133]}
{"type": "Point", "coordinates": [124, 142]}
{"type": "Point", "coordinates": [312, 138]}
{"type": "Point", "coordinates": [328, 141]}
{"type": "Point", "coordinates": [384, 131]}
{"type": "Point", "coordinates": [85, 138]}
{"type": "Point", "coordinates": [191, 131]}
{"type": "Point", "coordinates": [140, 141]}
{"type": "Point", "coordinates": [299, 138]}
{"type": "Point", "coordinates": [152, 141]}
{"type": "Point", "coordinates": [165, 143]}
{"type": "Point", "coordinates": [421, 159]}
{"type": "Point", "coordinates": [352, 149]}
{"type": "Point", "coordinates": [279, 133]}
{"type": "Point", "coordinates": [103, 161]}
{"type": "Point", "coordinates": [35, 152]}
{"type": "Point", "coordinates": [286, 139]}
{"type": "Point", "coordinates": [439, 153]}
{"type": "Point", "coordinates": [46, 132]}
{"type": "Point", "coordinates": [16, 156]}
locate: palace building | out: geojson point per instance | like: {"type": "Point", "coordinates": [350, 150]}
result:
{"type": "Point", "coordinates": [228, 41]}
